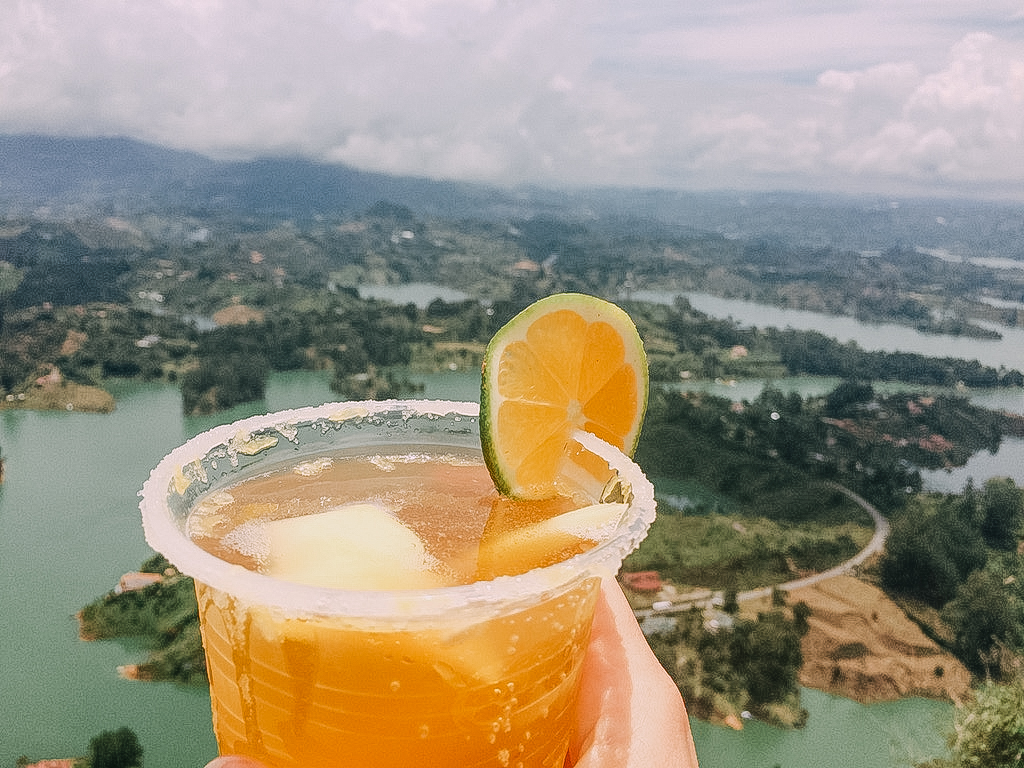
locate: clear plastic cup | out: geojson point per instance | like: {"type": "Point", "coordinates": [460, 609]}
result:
{"type": "Point", "coordinates": [484, 674]}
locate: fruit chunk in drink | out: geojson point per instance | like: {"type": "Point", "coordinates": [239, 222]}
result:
{"type": "Point", "coordinates": [460, 690]}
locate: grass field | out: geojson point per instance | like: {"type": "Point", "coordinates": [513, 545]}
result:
{"type": "Point", "coordinates": [740, 551]}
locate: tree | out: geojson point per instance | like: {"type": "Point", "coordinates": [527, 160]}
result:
{"type": "Point", "coordinates": [10, 279]}
{"type": "Point", "coordinates": [730, 601]}
{"type": "Point", "coordinates": [115, 749]}
{"type": "Point", "coordinates": [845, 398]}
{"type": "Point", "coordinates": [768, 654]}
{"type": "Point", "coordinates": [989, 730]}
{"type": "Point", "coordinates": [801, 616]}
{"type": "Point", "coordinates": [222, 381]}
{"type": "Point", "coordinates": [931, 549]}
{"type": "Point", "coordinates": [1003, 506]}
{"type": "Point", "coordinates": [915, 564]}
{"type": "Point", "coordinates": [983, 614]}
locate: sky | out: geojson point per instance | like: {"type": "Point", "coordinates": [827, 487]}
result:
{"type": "Point", "coordinates": [879, 96]}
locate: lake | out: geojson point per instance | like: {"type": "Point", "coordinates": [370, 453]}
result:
{"type": "Point", "coordinates": [888, 337]}
{"type": "Point", "coordinates": [69, 527]}
{"type": "Point", "coordinates": [840, 733]}
{"type": "Point", "coordinates": [1008, 352]}
{"type": "Point", "coordinates": [420, 294]}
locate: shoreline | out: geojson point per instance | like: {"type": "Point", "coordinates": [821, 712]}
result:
{"type": "Point", "coordinates": [83, 634]}
{"type": "Point", "coordinates": [63, 396]}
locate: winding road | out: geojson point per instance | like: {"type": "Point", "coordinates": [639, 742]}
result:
{"type": "Point", "coordinates": [704, 597]}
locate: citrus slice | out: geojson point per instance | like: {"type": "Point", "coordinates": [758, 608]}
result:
{"type": "Point", "coordinates": [566, 363]}
{"type": "Point", "coordinates": [547, 541]}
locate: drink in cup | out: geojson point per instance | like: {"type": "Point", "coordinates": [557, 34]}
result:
{"type": "Point", "coordinates": [367, 598]}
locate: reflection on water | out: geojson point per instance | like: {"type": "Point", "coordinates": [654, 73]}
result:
{"type": "Point", "coordinates": [739, 390]}
{"type": "Point", "coordinates": [1008, 461]}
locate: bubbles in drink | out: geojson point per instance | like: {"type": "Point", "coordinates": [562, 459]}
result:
{"type": "Point", "coordinates": [315, 467]}
{"type": "Point", "coordinates": [250, 541]}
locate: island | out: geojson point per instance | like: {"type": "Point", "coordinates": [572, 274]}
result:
{"type": "Point", "coordinates": [156, 604]}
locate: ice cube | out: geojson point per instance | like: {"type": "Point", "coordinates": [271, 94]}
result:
{"type": "Point", "coordinates": [208, 518]}
{"type": "Point", "coordinates": [354, 546]}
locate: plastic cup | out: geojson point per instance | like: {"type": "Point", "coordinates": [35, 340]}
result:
{"type": "Point", "coordinates": [484, 674]}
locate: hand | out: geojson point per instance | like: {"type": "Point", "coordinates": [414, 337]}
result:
{"type": "Point", "coordinates": [630, 712]}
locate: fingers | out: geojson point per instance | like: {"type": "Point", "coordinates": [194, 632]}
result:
{"type": "Point", "coordinates": [631, 714]}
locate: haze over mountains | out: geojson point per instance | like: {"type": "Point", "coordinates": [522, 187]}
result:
{"type": "Point", "coordinates": [52, 177]}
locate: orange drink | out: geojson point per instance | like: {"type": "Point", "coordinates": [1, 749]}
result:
{"type": "Point", "coordinates": [367, 598]}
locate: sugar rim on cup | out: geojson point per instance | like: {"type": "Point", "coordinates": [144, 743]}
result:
{"type": "Point", "coordinates": [227, 442]}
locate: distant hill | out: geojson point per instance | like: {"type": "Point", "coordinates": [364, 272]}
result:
{"type": "Point", "coordinates": [123, 176]}
{"type": "Point", "coordinates": [43, 170]}
{"type": "Point", "coordinates": [73, 177]}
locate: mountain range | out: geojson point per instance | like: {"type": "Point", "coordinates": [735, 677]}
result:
{"type": "Point", "coordinates": [64, 177]}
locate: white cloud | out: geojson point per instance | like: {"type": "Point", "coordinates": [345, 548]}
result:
{"type": "Point", "coordinates": [961, 123]}
{"type": "Point", "coordinates": [865, 94]}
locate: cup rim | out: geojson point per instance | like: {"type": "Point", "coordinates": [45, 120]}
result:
{"type": "Point", "coordinates": [164, 535]}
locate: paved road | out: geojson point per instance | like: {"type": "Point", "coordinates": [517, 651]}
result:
{"type": "Point", "coordinates": [704, 597]}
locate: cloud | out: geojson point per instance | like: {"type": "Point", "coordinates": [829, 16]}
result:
{"type": "Point", "coordinates": [740, 93]}
{"type": "Point", "coordinates": [961, 123]}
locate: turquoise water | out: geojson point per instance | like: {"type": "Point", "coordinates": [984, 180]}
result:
{"type": "Point", "coordinates": [839, 734]}
{"type": "Point", "coordinates": [69, 527]}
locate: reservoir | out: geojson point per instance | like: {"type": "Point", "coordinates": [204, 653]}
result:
{"type": "Point", "coordinates": [69, 527]}
{"type": "Point", "coordinates": [1007, 352]}
{"type": "Point", "coordinates": [888, 337]}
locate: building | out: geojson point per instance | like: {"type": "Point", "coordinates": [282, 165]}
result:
{"type": "Point", "coordinates": [136, 580]}
{"type": "Point", "coordinates": [643, 581]}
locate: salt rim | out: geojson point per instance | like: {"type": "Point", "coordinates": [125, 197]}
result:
{"type": "Point", "coordinates": [164, 535]}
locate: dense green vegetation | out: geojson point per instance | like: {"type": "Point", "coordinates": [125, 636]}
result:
{"type": "Point", "coordinates": [706, 348]}
{"type": "Point", "coordinates": [779, 452]}
{"type": "Point", "coordinates": [816, 354]}
{"type": "Point", "coordinates": [115, 749]}
{"type": "Point", "coordinates": [958, 555]}
{"type": "Point", "coordinates": [164, 614]}
{"type": "Point", "coordinates": [112, 298]}
{"type": "Point", "coordinates": [730, 664]}
{"type": "Point", "coordinates": [362, 339]}
{"type": "Point", "coordinates": [744, 551]}
{"type": "Point", "coordinates": [989, 729]}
